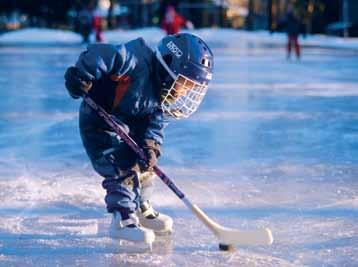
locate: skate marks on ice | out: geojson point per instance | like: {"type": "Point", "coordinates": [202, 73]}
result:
{"type": "Point", "coordinates": [302, 237]}
{"type": "Point", "coordinates": [314, 222]}
{"type": "Point", "coordinates": [316, 240]}
{"type": "Point", "coordinates": [188, 247]}
{"type": "Point", "coordinates": [48, 222]}
{"type": "Point", "coordinates": [71, 231]}
{"type": "Point", "coordinates": [201, 257]}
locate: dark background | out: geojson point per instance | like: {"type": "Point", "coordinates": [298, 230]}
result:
{"type": "Point", "coordinates": [319, 16]}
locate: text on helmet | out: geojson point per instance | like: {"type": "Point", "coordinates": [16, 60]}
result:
{"type": "Point", "coordinates": [174, 49]}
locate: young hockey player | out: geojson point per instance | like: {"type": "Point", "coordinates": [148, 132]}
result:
{"type": "Point", "coordinates": [142, 89]}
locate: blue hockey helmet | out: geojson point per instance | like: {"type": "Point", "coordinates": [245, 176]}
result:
{"type": "Point", "coordinates": [188, 65]}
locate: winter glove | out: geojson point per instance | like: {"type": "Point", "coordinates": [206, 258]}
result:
{"type": "Point", "coordinates": [152, 151]}
{"type": "Point", "coordinates": [76, 83]}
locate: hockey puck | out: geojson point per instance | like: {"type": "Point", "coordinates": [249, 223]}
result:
{"type": "Point", "coordinates": [226, 247]}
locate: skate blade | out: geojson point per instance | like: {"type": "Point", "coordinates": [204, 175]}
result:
{"type": "Point", "coordinates": [161, 245]}
{"type": "Point", "coordinates": [164, 233]}
{"type": "Point", "coordinates": [129, 245]}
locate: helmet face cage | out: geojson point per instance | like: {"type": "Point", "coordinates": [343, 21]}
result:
{"type": "Point", "coordinates": [184, 95]}
{"type": "Point", "coordinates": [183, 98]}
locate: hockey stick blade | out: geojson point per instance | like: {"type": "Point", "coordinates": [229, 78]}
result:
{"type": "Point", "coordinates": [232, 236]}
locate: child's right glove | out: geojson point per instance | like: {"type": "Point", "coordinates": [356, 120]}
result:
{"type": "Point", "coordinates": [76, 83]}
{"type": "Point", "coordinates": [152, 151]}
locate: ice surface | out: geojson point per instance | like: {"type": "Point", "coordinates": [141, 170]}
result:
{"type": "Point", "coordinates": [274, 144]}
{"type": "Point", "coordinates": [39, 36]}
{"type": "Point", "coordinates": [219, 37]}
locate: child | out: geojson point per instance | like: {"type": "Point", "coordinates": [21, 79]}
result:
{"type": "Point", "coordinates": [141, 88]}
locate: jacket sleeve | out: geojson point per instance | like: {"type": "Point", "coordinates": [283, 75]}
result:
{"type": "Point", "coordinates": [105, 59]}
{"type": "Point", "coordinates": [156, 126]}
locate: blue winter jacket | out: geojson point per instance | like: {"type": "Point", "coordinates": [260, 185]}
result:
{"type": "Point", "coordinates": [125, 83]}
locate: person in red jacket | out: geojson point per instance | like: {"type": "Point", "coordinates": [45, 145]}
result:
{"type": "Point", "coordinates": [173, 22]}
{"type": "Point", "coordinates": [97, 25]}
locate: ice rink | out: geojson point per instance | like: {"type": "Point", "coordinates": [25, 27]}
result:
{"type": "Point", "coordinates": [274, 144]}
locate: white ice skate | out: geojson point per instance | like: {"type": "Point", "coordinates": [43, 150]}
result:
{"type": "Point", "coordinates": [130, 230]}
{"type": "Point", "coordinates": [151, 219]}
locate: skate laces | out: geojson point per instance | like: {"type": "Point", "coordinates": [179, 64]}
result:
{"type": "Point", "coordinates": [148, 211]}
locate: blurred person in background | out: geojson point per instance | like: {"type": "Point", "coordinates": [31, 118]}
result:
{"type": "Point", "coordinates": [173, 22]}
{"type": "Point", "coordinates": [85, 22]}
{"type": "Point", "coordinates": [293, 27]}
{"type": "Point", "coordinates": [97, 25]}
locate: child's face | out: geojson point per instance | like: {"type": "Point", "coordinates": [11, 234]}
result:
{"type": "Point", "coordinates": [183, 98]}
{"type": "Point", "coordinates": [182, 87]}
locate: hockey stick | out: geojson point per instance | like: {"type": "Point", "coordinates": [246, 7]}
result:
{"type": "Point", "coordinates": [226, 236]}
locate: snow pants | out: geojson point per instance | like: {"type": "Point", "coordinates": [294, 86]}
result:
{"type": "Point", "coordinates": [114, 160]}
{"type": "Point", "coordinates": [292, 40]}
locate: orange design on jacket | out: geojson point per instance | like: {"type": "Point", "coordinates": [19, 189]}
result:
{"type": "Point", "coordinates": [123, 83]}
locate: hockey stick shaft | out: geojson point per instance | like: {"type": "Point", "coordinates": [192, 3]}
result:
{"type": "Point", "coordinates": [226, 235]}
{"type": "Point", "coordinates": [132, 144]}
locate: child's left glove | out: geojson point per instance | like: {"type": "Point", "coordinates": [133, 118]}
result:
{"type": "Point", "coordinates": [76, 83]}
{"type": "Point", "coordinates": [152, 151]}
